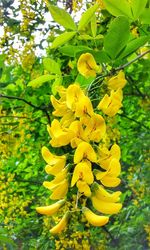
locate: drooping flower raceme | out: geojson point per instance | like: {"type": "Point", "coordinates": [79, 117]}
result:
{"type": "Point", "coordinates": [88, 167]}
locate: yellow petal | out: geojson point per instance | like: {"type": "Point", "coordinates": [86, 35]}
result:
{"type": "Point", "coordinates": [60, 107]}
{"type": "Point", "coordinates": [117, 81]}
{"type": "Point", "coordinates": [84, 107]}
{"type": "Point", "coordinates": [110, 181]}
{"type": "Point", "coordinates": [105, 156]}
{"type": "Point", "coordinates": [84, 151]}
{"type": "Point", "coordinates": [50, 158]}
{"type": "Point", "coordinates": [61, 225]}
{"type": "Point", "coordinates": [105, 207]}
{"type": "Point", "coordinates": [95, 127]}
{"type": "Point", "coordinates": [104, 195]}
{"type": "Point", "coordinates": [73, 95]}
{"type": "Point", "coordinates": [67, 119]}
{"type": "Point", "coordinates": [104, 103]}
{"type": "Point", "coordinates": [54, 170]}
{"type": "Point", "coordinates": [111, 105]}
{"type": "Point", "coordinates": [87, 66]}
{"type": "Point", "coordinates": [57, 180]}
{"type": "Point", "coordinates": [115, 151]}
{"type": "Point", "coordinates": [55, 128]}
{"type": "Point", "coordinates": [94, 219]}
{"type": "Point", "coordinates": [60, 136]}
{"type": "Point", "coordinates": [60, 191]}
{"type": "Point", "coordinates": [82, 171]}
{"type": "Point", "coordinates": [114, 168]}
{"type": "Point", "coordinates": [51, 209]}
{"type": "Point", "coordinates": [84, 188]}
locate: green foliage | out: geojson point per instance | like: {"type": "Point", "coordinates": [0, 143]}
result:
{"type": "Point", "coordinates": [63, 38]}
{"type": "Point", "coordinates": [118, 8]}
{"type": "Point", "coordinates": [115, 40]}
{"type": "Point", "coordinates": [86, 17]}
{"type": "Point", "coordinates": [62, 17]}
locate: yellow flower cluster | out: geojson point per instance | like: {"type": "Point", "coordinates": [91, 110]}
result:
{"type": "Point", "coordinates": [110, 105]}
{"type": "Point", "coordinates": [147, 230]}
{"type": "Point", "coordinates": [13, 205]}
{"type": "Point", "coordinates": [89, 165]}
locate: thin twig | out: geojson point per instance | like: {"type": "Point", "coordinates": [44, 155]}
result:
{"type": "Point", "coordinates": [132, 61]}
{"type": "Point", "coordinates": [44, 109]}
{"type": "Point", "coordinates": [131, 119]}
{"type": "Point", "coordinates": [14, 116]}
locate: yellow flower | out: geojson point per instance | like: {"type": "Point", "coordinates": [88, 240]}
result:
{"type": "Point", "coordinates": [73, 95]}
{"type": "Point", "coordinates": [77, 128]}
{"type": "Point", "coordinates": [77, 101]}
{"type": "Point", "coordinates": [82, 175]}
{"type": "Point", "coordinates": [60, 191]}
{"type": "Point", "coordinates": [67, 119]}
{"type": "Point", "coordinates": [105, 206]}
{"type": "Point", "coordinates": [59, 106]}
{"type": "Point", "coordinates": [110, 105]}
{"type": "Point", "coordinates": [84, 151]}
{"type": "Point", "coordinates": [109, 177]}
{"type": "Point", "coordinates": [57, 180]}
{"type": "Point", "coordinates": [82, 171]}
{"type": "Point", "coordinates": [102, 194]}
{"type": "Point", "coordinates": [84, 188]}
{"type": "Point", "coordinates": [60, 136]}
{"type": "Point", "coordinates": [58, 186]}
{"type": "Point", "coordinates": [52, 159]}
{"type": "Point", "coordinates": [117, 81]}
{"type": "Point", "coordinates": [84, 107]}
{"type": "Point", "coordinates": [87, 66]}
{"type": "Point", "coordinates": [95, 127]}
{"type": "Point", "coordinates": [105, 155]}
{"type": "Point", "coordinates": [101, 3]}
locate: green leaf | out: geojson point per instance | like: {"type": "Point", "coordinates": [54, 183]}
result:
{"type": "Point", "coordinates": [70, 50]}
{"type": "Point", "coordinates": [87, 16]}
{"type": "Point", "coordinates": [101, 56]}
{"type": "Point", "coordinates": [83, 81]}
{"type": "Point", "coordinates": [63, 38]}
{"type": "Point", "coordinates": [94, 26]}
{"type": "Point", "coordinates": [51, 66]}
{"type": "Point", "coordinates": [2, 59]}
{"type": "Point", "coordinates": [118, 7]}
{"type": "Point", "coordinates": [117, 36]}
{"type": "Point", "coordinates": [145, 17]}
{"type": "Point", "coordinates": [38, 82]}
{"type": "Point", "coordinates": [62, 17]}
{"type": "Point", "coordinates": [85, 37]}
{"type": "Point", "coordinates": [133, 45]}
{"type": "Point", "coordinates": [137, 7]}
{"type": "Point", "coordinates": [55, 85]}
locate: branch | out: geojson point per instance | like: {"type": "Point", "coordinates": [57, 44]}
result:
{"type": "Point", "coordinates": [129, 78]}
{"type": "Point", "coordinates": [131, 119]}
{"type": "Point", "coordinates": [132, 61]}
{"type": "Point", "coordinates": [95, 81]}
{"type": "Point", "coordinates": [44, 109]}
{"type": "Point", "coordinates": [20, 99]}
{"type": "Point", "coordinates": [14, 116]}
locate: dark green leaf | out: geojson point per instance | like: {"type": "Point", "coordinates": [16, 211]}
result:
{"type": "Point", "coordinates": [133, 45]}
{"type": "Point", "coordinates": [118, 7]}
{"type": "Point", "coordinates": [117, 36]}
